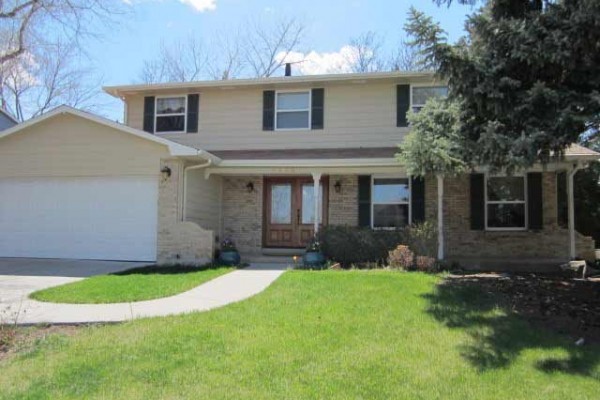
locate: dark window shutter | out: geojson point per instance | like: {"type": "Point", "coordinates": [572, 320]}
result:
{"type": "Point", "coordinates": [562, 208]}
{"type": "Point", "coordinates": [535, 205]}
{"type": "Point", "coordinates": [417, 199]}
{"type": "Point", "coordinates": [402, 104]}
{"type": "Point", "coordinates": [477, 202]}
{"type": "Point", "coordinates": [364, 200]}
{"type": "Point", "coordinates": [317, 103]}
{"type": "Point", "coordinates": [268, 110]}
{"type": "Point", "coordinates": [149, 114]}
{"type": "Point", "coordinates": [193, 103]}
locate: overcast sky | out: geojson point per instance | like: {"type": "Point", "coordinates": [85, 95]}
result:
{"type": "Point", "coordinates": [118, 55]}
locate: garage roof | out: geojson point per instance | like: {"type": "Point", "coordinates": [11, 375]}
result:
{"type": "Point", "coordinates": [175, 149]}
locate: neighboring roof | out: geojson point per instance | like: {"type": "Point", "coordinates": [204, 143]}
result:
{"type": "Point", "coordinates": [175, 149]}
{"type": "Point", "coordinates": [307, 154]}
{"type": "Point", "coordinates": [8, 115]}
{"type": "Point", "coordinates": [576, 150]}
{"type": "Point", "coordinates": [121, 90]}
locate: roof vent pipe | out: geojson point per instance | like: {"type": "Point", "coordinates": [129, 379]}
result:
{"type": "Point", "coordinates": [288, 69]}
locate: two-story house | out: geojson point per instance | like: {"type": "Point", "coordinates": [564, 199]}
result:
{"type": "Point", "coordinates": [265, 162]}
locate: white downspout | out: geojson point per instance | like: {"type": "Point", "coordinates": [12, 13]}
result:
{"type": "Point", "coordinates": [571, 210]}
{"type": "Point", "coordinates": [185, 179]}
{"type": "Point", "coordinates": [440, 213]}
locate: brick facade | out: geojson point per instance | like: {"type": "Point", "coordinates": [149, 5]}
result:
{"type": "Point", "coordinates": [343, 206]}
{"type": "Point", "coordinates": [243, 213]}
{"type": "Point", "coordinates": [179, 242]}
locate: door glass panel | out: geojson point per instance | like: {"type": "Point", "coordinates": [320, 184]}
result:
{"type": "Point", "coordinates": [308, 204]}
{"type": "Point", "coordinates": [281, 204]}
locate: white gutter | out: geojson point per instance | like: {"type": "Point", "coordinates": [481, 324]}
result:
{"type": "Point", "coordinates": [571, 210]}
{"type": "Point", "coordinates": [185, 179]}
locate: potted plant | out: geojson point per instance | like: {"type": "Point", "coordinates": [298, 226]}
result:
{"type": "Point", "coordinates": [313, 258]}
{"type": "Point", "coordinates": [229, 254]}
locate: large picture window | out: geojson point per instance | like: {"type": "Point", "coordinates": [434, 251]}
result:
{"type": "Point", "coordinates": [391, 202]}
{"type": "Point", "coordinates": [505, 202]}
{"type": "Point", "coordinates": [292, 110]}
{"type": "Point", "coordinates": [421, 94]}
{"type": "Point", "coordinates": [170, 114]}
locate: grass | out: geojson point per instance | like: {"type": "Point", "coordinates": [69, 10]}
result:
{"type": "Point", "coordinates": [317, 335]}
{"type": "Point", "coordinates": [136, 284]}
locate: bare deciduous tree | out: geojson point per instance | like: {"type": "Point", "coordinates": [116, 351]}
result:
{"type": "Point", "coordinates": [226, 61]}
{"type": "Point", "coordinates": [367, 53]}
{"type": "Point", "coordinates": [179, 61]}
{"type": "Point", "coordinates": [33, 84]}
{"type": "Point", "coordinates": [405, 58]}
{"type": "Point", "coordinates": [267, 46]}
{"type": "Point", "coordinates": [25, 22]}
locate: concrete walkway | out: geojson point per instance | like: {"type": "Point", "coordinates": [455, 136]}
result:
{"type": "Point", "coordinates": [229, 288]}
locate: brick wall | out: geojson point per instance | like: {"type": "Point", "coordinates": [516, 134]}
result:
{"type": "Point", "coordinates": [242, 213]}
{"type": "Point", "coordinates": [179, 241]}
{"type": "Point", "coordinates": [343, 206]}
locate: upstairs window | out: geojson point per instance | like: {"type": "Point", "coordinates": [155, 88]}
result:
{"type": "Point", "coordinates": [292, 110]}
{"type": "Point", "coordinates": [170, 114]}
{"type": "Point", "coordinates": [390, 202]}
{"type": "Point", "coordinates": [505, 202]}
{"type": "Point", "coordinates": [421, 94]}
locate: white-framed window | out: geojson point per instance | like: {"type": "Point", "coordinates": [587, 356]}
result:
{"type": "Point", "coordinates": [420, 95]}
{"type": "Point", "coordinates": [390, 202]}
{"type": "Point", "coordinates": [170, 114]}
{"type": "Point", "coordinates": [292, 110]}
{"type": "Point", "coordinates": [506, 202]}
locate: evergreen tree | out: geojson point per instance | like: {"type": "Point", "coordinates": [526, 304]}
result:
{"type": "Point", "coordinates": [526, 78]}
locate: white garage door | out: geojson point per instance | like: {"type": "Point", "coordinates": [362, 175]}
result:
{"type": "Point", "coordinates": [106, 218]}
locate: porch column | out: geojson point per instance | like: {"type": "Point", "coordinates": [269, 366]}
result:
{"type": "Point", "coordinates": [316, 180]}
{"type": "Point", "coordinates": [440, 213]}
{"type": "Point", "coordinates": [571, 212]}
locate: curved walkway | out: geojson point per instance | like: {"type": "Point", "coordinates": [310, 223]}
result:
{"type": "Point", "coordinates": [225, 289]}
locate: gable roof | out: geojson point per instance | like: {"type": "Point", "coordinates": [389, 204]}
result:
{"type": "Point", "coordinates": [175, 149]}
{"type": "Point", "coordinates": [8, 115]}
{"type": "Point", "coordinates": [121, 90]}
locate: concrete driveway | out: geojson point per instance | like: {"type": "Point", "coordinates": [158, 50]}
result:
{"type": "Point", "coordinates": [21, 276]}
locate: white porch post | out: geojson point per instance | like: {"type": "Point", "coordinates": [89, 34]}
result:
{"type": "Point", "coordinates": [571, 212]}
{"type": "Point", "coordinates": [316, 180]}
{"type": "Point", "coordinates": [440, 213]}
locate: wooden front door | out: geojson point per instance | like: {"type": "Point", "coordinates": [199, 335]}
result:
{"type": "Point", "coordinates": [289, 210]}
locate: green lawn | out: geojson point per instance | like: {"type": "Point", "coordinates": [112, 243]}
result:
{"type": "Point", "coordinates": [132, 285]}
{"type": "Point", "coordinates": [316, 335]}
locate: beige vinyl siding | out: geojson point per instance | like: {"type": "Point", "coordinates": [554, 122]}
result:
{"type": "Point", "coordinates": [67, 145]}
{"type": "Point", "coordinates": [357, 114]}
{"type": "Point", "coordinates": [204, 200]}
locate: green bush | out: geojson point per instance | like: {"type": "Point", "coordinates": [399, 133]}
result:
{"type": "Point", "coordinates": [358, 247]}
{"type": "Point", "coordinates": [367, 248]}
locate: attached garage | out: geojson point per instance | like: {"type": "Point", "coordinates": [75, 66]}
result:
{"type": "Point", "coordinates": [73, 185]}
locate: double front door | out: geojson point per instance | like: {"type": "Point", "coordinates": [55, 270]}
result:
{"type": "Point", "coordinates": [290, 210]}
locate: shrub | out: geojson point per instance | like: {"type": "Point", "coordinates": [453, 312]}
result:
{"type": "Point", "coordinates": [426, 264]}
{"type": "Point", "coordinates": [358, 247]}
{"type": "Point", "coordinates": [401, 258]}
{"type": "Point", "coordinates": [422, 239]}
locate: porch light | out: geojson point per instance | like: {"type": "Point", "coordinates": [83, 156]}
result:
{"type": "Point", "coordinates": [166, 171]}
{"type": "Point", "coordinates": [250, 187]}
{"type": "Point", "coordinates": [338, 186]}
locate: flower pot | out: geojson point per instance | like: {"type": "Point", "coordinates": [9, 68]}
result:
{"type": "Point", "coordinates": [313, 259]}
{"type": "Point", "coordinates": [229, 257]}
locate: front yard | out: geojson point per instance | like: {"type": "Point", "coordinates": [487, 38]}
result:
{"type": "Point", "coordinates": [331, 335]}
{"type": "Point", "coordinates": [136, 284]}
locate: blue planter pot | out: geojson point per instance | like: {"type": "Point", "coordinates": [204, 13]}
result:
{"type": "Point", "coordinates": [229, 257]}
{"type": "Point", "coordinates": [313, 259]}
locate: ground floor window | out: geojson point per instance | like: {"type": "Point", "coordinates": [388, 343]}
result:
{"type": "Point", "coordinates": [506, 202]}
{"type": "Point", "coordinates": [390, 202]}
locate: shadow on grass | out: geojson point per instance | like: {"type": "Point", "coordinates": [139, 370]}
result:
{"type": "Point", "coordinates": [167, 270]}
{"type": "Point", "coordinates": [499, 336]}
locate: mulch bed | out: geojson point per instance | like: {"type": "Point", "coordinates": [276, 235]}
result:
{"type": "Point", "coordinates": [564, 304]}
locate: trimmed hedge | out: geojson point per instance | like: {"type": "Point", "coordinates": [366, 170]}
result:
{"type": "Point", "coordinates": [364, 247]}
